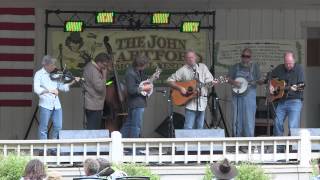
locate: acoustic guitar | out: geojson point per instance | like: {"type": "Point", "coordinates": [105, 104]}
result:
{"type": "Point", "coordinates": [280, 87]}
{"type": "Point", "coordinates": [179, 99]}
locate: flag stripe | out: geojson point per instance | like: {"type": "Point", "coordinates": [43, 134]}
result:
{"type": "Point", "coordinates": [10, 102]}
{"type": "Point", "coordinates": [17, 11]}
{"type": "Point", "coordinates": [17, 49]}
{"type": "Point", "coordinates": [16, 80]}
{"type": "Point", "coordinates": [16, 26]}
{"type": "Point", "coordinates": [16, 72]}
{"type": "Point", "coordinates": [17, 34]}
{"type": "Point", "coordinates": [16, 42]}
{"type": "Point", "coordinates": [17, 65]}
{"type": "Point", "coordinates": [16, 57]}
{"type": "Point", "coordinates": [16, 95]}
{"type": "Point", "coordinates": [17, 18]}
{"type": "Point", "coordinates": [15, 88]}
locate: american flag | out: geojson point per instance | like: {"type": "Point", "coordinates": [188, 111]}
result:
{"type": "Point", "coordinates": [17, 35]}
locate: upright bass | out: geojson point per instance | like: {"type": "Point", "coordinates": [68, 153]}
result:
{"type": "Point", "coordinates": [115, 109]}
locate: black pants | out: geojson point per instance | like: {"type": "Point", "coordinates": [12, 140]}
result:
{"type": "Point", "coordinates": [94, 119]}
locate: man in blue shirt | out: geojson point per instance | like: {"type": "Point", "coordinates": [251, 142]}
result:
{"type": "Point", "coordinates": [49, 103]}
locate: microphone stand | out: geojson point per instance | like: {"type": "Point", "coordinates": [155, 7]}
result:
{"type": "Point", "coordinates": [199, 90]}
{"type": "Point", "coordinates": [170, 112]}
{"type": "Point", "coordinates": [268, 103]}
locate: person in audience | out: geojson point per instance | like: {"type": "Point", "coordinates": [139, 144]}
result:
{"type": "Point", "coordinates": [318, 166]}
{"type": "Point", "coordinates": [34, 170]}
{"type": "Point", "coordinates": [110, 172]}
{"type": "Point", "coordinates": [224, 170]}
{"type": "Point", "coordinates": [91, 167]}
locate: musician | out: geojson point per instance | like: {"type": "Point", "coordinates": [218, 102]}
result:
{"type": "Point", "coordinates": [94, 74]}
{"type": "Point", "coordinates": [244, 105]}
{"type": "Point", "coordinates": [136, 101]}
{"type": "Point", "coordinates": [290, 104]}
{"type": "Point", "coordinates": [49, 103]}
{"type": "Point", "coordinates": [195, 109]}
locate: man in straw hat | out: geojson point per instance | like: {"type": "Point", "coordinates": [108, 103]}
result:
{"type": "Point", "coordinates": [224, 170]}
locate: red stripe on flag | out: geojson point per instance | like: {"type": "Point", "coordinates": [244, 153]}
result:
{"type": "Point", "coordinates": [17, 26]}
{"type": "Point", "coordinates": [15, 88]}
{"type": "Point", "coordinates": [17, 11]}
{"type": "Point", "coordinates": [16, 42]}
{"type": "Point", "coordinates": [16, 57]}
{"type": "Point", "coordinates": [16, 72]}
{"type": "Point", "coordinates": [15, 102]}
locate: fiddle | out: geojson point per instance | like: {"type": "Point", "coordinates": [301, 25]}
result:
{"type": "Point", "coordinates": [64, 76]}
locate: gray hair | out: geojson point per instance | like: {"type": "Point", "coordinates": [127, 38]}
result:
{"type": "Point", "coordinates": [289, 52]}
{"type": "Point", "coordinates": [48, 60]}
{"type": "Point", "coordinates": [103, 163]}
{"type": "Point", "coordinates": [246, 50]}
{"type": "Point", "coordinates": [91, 166]}
{"type": "Point", "coordinates": [190, 51]}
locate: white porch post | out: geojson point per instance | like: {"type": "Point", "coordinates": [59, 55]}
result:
{"type": "Point", "coordinates": [305, 148]}
{"type": "Point", "coordinates": [116, 147]}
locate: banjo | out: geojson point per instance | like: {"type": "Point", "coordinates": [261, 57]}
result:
{"type": "Point", "coordinates": [150, 80]}
{"type": "Point", "coordinates": [243, 87]}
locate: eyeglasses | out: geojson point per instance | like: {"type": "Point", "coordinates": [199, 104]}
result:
{"type": "Point", "coordinates": [245, 56]}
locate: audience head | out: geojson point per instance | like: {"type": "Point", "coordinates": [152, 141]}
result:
{"type": "Point", "coordinates": [35, 170]}
{"type": "Point", "coordinates": [91, 167]}
{"type": "Point", "coordinates": [105, 167]}
{"type": "Point", "coordinates": [224, 170]}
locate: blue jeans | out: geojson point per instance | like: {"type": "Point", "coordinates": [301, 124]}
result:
{"type": "Point", "coordinates": [193, 119]}
{"type": "Point", "coordinates": [44, 116]}
{"type": "Point", "coordinates": [132, 127]}
{"type": "Point", "coordinates": [290, 108]}
{"type": "Point", "coordinates": [244, 111]}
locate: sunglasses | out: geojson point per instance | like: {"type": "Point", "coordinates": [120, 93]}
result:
{"type": "Point", "coordinates": [245, 56]}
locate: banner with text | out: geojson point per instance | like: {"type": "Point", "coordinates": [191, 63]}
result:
{"type": "Point", "coordinates": [267, 53]}
{"type": "Point", "coordinates": [164, 48]}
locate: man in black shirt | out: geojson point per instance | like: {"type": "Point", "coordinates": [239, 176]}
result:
{"type": "Point", "coordinates": [290, 104]}
{"type": "Point", "coordinates": [136, 101]}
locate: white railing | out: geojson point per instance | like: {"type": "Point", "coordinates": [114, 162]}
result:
{"type": "Point", "coordinates": [178, 151]}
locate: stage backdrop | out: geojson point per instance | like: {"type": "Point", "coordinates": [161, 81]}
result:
{"type": "Point", "coordinates": [267, 53]}
{"type": "Point", "coordinates": [164, 48]}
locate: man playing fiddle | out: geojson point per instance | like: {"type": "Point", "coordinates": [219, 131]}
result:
{"type": "Point", "coordinates": [49, 103]}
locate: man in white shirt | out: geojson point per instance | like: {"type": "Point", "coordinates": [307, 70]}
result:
{"type": "Point", "coordinates": [49, 103]}
{"type": "Point", "coordinates": [195, 109]}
